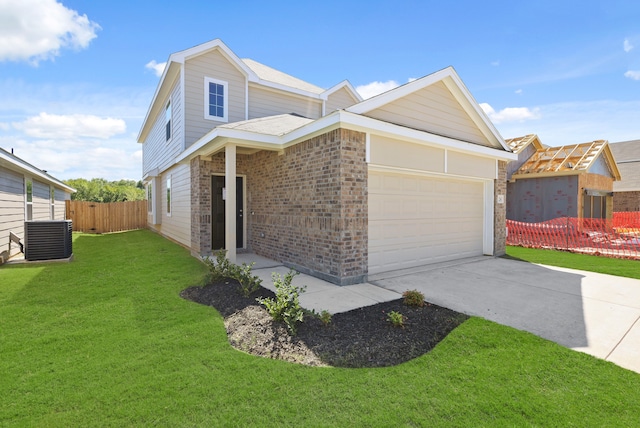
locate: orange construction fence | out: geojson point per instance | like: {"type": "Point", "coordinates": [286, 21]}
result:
{"type": "Point", "coordinates": [618, 237]}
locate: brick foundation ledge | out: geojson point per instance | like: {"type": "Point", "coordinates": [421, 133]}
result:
{"type": "Point", "coordinates": [347, 280]}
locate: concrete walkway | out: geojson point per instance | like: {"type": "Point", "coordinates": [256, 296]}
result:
{"type": "Point", "coordinates": [585, 311]}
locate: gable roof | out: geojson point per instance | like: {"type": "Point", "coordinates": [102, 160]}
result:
{"type": "Point", "coordinates": [627, 155]}
{"type": "Point", "coordinates": [458, 90]}
{"type": "Point", "coordinates": [518, 144]}
{"type": "Point", "coordinates": [567, 160]}
{"type": "Point", "coordinates": [254, 71]}
{"type": "Point", "coordinates": [14, 163]}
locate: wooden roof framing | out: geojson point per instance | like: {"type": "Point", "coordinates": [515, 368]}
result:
{"type": "Point", "coordinates": [520, 143]}
{"type": "Point", "coordinates": [563, 160]}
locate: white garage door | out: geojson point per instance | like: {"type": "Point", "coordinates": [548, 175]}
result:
{"type": "Point", "coordinates": [416, 220]}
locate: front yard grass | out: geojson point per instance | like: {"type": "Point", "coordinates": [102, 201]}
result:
{"type": "Point", "coordinates": [610, 266]}
{"type": "Point", "coordinates": [107, 341]}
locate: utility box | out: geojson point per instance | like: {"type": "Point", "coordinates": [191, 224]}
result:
{"type": "Point", "coordinates": [48, 240]}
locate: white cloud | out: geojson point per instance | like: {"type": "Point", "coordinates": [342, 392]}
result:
{"type": "Point", "coordinates": [632, 74]}
{"type": "Point", "coordinates": [375, 88]}
{"type": "Point", "coordinates": [157, 68]}
{"type": "Point", "coordinates": [495, 63]}
{"type": "Point", "coordinates": [627, 46]}
{"type": "Point", "coordinates": [579, 122]}
{"type": "Point", "coordinates": [510, 114]}
{"type": "Point", "coordinates": [36, 30]}
{"type": "Point", "coordinates": [518, 91]}
{"type": "Point", "coordinates": [70, 126]}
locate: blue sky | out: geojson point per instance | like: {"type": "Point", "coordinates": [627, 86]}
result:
{"type": "Point", "coordinates": [76, 77]}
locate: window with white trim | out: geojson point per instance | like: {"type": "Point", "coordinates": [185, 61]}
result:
{"type": "Point", "coordinates": [28, 190]}
{"type": "Point", "coordinates": [169, 196]}
{"type": "Point", "coordinates": [150, 197]}
{"type": "Point", "coordinates": [216, 99]}
{"type": "Point", "coordinates": [52, 192]}
{"type": "Point", "coordinates": [167, 119]}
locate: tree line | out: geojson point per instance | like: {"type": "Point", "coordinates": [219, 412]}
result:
{"type": "Point", "coordinates": [101, 190]}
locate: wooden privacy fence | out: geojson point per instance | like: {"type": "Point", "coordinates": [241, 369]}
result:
{"type": "Point", "coordinates": [96, 217]}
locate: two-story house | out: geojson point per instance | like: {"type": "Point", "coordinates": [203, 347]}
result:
{"type": "Point", "coordinates": [240, 156]}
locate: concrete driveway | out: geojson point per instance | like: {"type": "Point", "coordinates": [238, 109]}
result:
{"type": "Point", "coordinates": [589, 312]}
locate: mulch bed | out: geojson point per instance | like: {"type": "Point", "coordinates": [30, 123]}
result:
{"type": "Point", "coordinates": [358, 338]}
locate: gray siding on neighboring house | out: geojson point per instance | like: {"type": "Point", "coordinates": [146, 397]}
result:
{"type": "Point", "coordinates": [338, 100]}
{"type": "Point", "coordinates": [213, 65]}
{"type": "Point", "coordinates": [157, 152]}
{"type": "Point", "coordinates": [535, 200]}
{"type": "Point", "coordinates": [432, 109]}
{"type": "Point", "coordinates": [266, 102]}
{"type": "Point", "coordinates": [60, 197]}
{"type": "Point", "coordinates": [12, 207]}
{"type": "Point", "coordinates": [41, 201]}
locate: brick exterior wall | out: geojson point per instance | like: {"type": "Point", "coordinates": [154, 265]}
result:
{"type": "Point", "coordinates": [626, 201]}
{"type": "Point", "coordinates": [500, 211]}
{"type": "Point", "coordinates": [307, 206]}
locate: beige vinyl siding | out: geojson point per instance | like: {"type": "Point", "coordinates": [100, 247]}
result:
{"type": "Point", "coordinates": [157, 152]}
{"type": "Point", "coordinates": [470, 166]}
{"type": "Point", "coordinates": [432, 109]}
{"type": "Point", "coordinates": [267, 102]}
{"type": "Point", "coordinates": [177, 226]}
{"type": "Point", "coordinates": [339, 100]}
{"type": "Point", "coordinates": [12, 207]}
{"type": "Point", "coordinates": [214, 65]}
{"type": "Point", "coordinates": [41, 201]}
{"type": "Point", "coordinates": [401, 154]}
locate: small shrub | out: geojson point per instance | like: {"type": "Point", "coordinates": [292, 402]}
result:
{"type": "Point", "coordinates": [220, 268]}
{"type": "Point", "coordinates": [286, 305]}
{"type": "Point", "coordinates": [396, 318]}
{"type": "Point", "coordinates": [325, 317]}
{"type": "Point", "coordinates": [413, 298]}
{"type": "Point", "coordinates": [248, 283]}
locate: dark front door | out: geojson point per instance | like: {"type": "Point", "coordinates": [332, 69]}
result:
{"type": "Point", "coordinates": [217, 212]}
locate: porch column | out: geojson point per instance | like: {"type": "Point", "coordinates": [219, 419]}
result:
{"type": "Point", "coordinates": [230, 202]}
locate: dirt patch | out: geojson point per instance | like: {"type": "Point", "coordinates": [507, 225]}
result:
{"type": "Point", "coordinates": [358, 338]}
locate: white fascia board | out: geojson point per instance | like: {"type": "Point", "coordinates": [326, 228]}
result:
{"type": "Point", "coordinates": [18, 165]}
{"type": "Point", "coordinates": [222, 136]}
{"type": "Point", "coordinates": [368, 124]}
{"type": "Point", "coordinates": [344, 84]}
{"type": "Point", "coordinates": [399, 92]}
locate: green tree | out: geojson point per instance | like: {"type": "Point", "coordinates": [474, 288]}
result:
{"type": "Point", "coordinates": [101, 190]}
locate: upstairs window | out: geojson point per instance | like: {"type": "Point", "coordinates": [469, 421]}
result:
{"type": "Point", "coordinates": [216, 99]}
{"type": "Point", "coordinates": [167, 120]}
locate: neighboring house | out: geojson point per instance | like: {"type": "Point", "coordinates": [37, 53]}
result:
{"type": "Point", "coordinates": [550, 182]}
{"type": "Point", "coordinates": [626, 192]}
{"type": "Point", "coordinates": [240, 156]}
{"type": "Point", "coordinates": [26, 193]}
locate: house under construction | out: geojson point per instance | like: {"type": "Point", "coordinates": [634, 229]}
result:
{"type": "Point", "coordinates": [550, 182]}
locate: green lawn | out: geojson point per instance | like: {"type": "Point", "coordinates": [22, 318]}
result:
{"type": "Point", "coordinates": [619, 267]}
{"type": "Point", "coordinates": [107, 341]}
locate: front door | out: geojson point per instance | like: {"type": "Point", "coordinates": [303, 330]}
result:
{"type": "Point", "coordinates": [217, 212]}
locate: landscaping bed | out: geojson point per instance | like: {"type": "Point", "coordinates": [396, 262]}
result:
{"type": "Point", "coordinates": [358, 338]}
